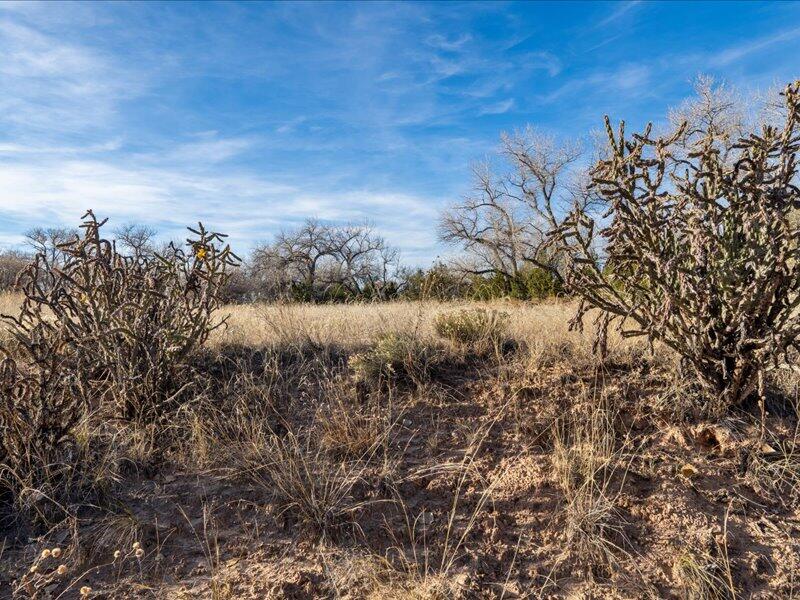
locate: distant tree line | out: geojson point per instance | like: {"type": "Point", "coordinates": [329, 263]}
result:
{"type": "Point", "coordinates": [315, 262]}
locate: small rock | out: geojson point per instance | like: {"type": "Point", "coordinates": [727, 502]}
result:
{"type": "Point", "coordinates": [767, 449]}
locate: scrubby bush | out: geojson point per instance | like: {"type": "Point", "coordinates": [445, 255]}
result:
{"type": "Point", "coordinates": [37, 417]}
{"type": "Point", "coordinates": [117, 328]}
{"type": "Point", "coordinates": [532, 283]}
{"type": "Point", "coordinates": [700, 252]}
{"type": "Point", "coordinates": [393, 355]}
{"type": "Point", "coordinates": [540, 284]}
{"type": "Point", "coordinates": [472, 326]}
{"type": "Point", "coordinates": [11, 264]}
{"type": "Point", "coordinates": [99, 333]}
{"type": "Point", "coordinates": [437, 283]}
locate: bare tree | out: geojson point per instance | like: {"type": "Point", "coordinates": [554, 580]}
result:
{"type": "Point", "coordinates": [48, 241]}
{"type": "Point", "coordinates": [300, 252]}
{"type": "Point", "coordinates": [508, 220]}
{"type": "Point", "coordinates": [320, 258]}
{"type": "Point", "coordinates": [136, 239]}
{"type": "Point", "coordinates": [365, 261]}
{"type": "Point", "coordinates": [12, 262]}
{"type": "Point", "coordinates": [716, 111]}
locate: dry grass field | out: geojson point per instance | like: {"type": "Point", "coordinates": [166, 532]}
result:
{"type": "Point", "coordinates": [352, 451]}
{"type": "Point", "coordinates": [352, 326]}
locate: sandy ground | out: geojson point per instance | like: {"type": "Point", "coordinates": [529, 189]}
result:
{"type": "Point", "coordinates": [517, 469]}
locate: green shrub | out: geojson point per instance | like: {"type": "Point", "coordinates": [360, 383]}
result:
{"type": "Point", "coordinates": [529, 284]}
{"type": "Point", "coordinates": [540, 284]}
{"type": "Point", "coordinates": [472, 326]}
{"type": "Point", "coordinates": [393, 355]}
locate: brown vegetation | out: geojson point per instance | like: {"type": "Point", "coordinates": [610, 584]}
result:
{"type": "Point", "coordinates": [530, 472]}
{"type": "Point", "coordinates": [700, 251]}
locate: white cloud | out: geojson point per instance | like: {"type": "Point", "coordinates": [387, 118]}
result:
{"type": "Point", "coordinates": [54, 86]}
{"type": "Point", "coordinates": [443, 43]}
{"type": "Point", "coordinates": [247, 207]}
{"type": "Point", "coordinates": [542, 60]}
{"type": "Point", "coordinates": [11, 149]}
{"type": "Point", "coordinates": [621, 10]}
{"type": "Point", "coordinates": [735, 53]}
{"type": "Point", "coordinates": [208, 151]}
{"type": "Point", "coordinates": [631, 78]}
{"type": "Point", "coordinates": [498, 107]}
{"type": "Point", "coordinates": [291, 125]}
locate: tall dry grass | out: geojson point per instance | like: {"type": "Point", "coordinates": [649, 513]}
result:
{"type": "Point", "coordinates": [353, 325]}
{"type": "Point", "coordinates": [10, 303]}
{"type": "Point", "coordinates": [349, 326]}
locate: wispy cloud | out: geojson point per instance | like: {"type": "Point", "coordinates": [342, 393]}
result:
{"type": "Point", "coordinates": [498, 108]}
{"type": "Point", "coordinates": [207, 148]}
{"type": "Point", "coordinates": [443, 43]}
{"type": "Point", "coordinates": [11, 149]}
{"type": "Point", "coordinates": [622, 9]}
{"type": "Point", "coordinates": [253, 115]}
{"type": "Point", "coordinates": [738, 52]}
{"type": "Point", "coordinates": [632, 79]}
{"type": "Point", "coordinates": [248, 207]}
{"type": "Point", "coordinates": [51, 85]}
{"type": "Point", "coordinates": [542, 60]}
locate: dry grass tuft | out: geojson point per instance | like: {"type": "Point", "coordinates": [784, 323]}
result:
{"type": "Point", "coordinates": [700, 577]}
{"type": "Point", "coordinates": [586, 461]}
{"type": "Point", "coordinates": [476, 327]}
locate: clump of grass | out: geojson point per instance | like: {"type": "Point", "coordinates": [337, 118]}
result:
{"type": "Point", "coordinates": [700, 577]}
{"type": "Point", "coordinates": [350, 425]}
{"type": "Point", "coordinates": [706, 574]}
{"type": "Point", "coordinates": [51, 481]}
{"type": "Point", "coordinates": [311, 485]}
{"type": "Point", "coordinates": [435, 542]}
{"type": "Point", "coordinates": [208, 540]}
{"type": "Point", "coordinates": [308, 481]}
{"type": "Point", "coordinates": [473, 326]}
{"type": "Point", "coordinates": [393, 356]}
{"type": "Point", "coordinates": [774, 468]}
{"type": "Point", "coordinates": [585, 460]}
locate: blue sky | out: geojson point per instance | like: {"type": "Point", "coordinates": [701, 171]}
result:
{"type": "Point", "coordinates": [251, 116]}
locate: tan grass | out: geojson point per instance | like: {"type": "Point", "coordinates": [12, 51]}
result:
{"type": "Point", "coordinates": [321, 451]}
{"type": "Point", "coordinates": [585, 459]}
{"type": "Point", "coordinates": [543, 325]}
{"type": "Point", "coordinates": [354, 325]}
{"type": "Point", "coordinates": [10, 303]}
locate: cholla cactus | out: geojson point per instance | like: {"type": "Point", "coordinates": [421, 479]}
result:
{"type": "Point", "coordinates": [35, 413]}
{"type": "Point", "coordinates": [700, 252]}
{"type": "Point", "coordinates": [38, 411]}
{"type": "Point", "coordinates": [119, 328]}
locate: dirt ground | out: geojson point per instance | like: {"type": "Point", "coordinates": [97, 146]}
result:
{"type": "Point", "coordinates": [519, 468]}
